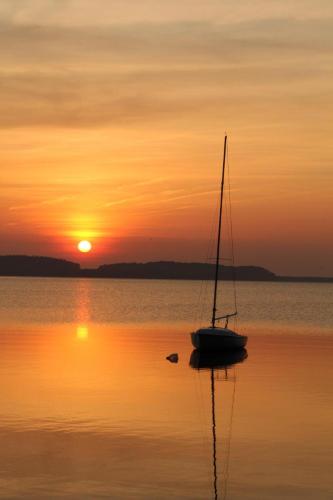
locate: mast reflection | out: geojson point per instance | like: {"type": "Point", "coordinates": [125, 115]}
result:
{"type": "Point", "coordinates": [200, 360]}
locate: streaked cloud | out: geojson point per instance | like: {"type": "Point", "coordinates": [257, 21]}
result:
{"type": "Point", "coordinates": [106, 12]}
{"type": "Point", "coordinates": [84, 77]}
{"type": "Point", "coordinates": [55, 201]}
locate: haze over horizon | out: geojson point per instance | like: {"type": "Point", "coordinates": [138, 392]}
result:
{"type": "Point", "coordinates": [113, 115]}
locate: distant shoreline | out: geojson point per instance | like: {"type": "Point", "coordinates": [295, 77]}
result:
{"type": "Point", "coordinates": [278, 279]}
{"type": "Point", "coordinates": [48, 267]}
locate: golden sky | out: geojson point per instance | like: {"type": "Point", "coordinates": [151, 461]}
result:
{"type": "Point", "coordinates": [112, 117]}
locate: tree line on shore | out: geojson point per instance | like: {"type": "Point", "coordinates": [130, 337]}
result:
{"type": "Point", "coordinates": [24, 265]}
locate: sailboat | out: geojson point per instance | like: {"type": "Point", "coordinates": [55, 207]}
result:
{"type": "Point", "coordinates": [215, 338]}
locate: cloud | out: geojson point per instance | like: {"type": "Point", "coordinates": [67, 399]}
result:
{"type": "Point", "coordinates": [109, 12]}
{"type": "Point", "coordinates": [31, 11]}
{"type": "Point", "coordinates": [55, 201]}
{"type": "Point", "coordinates": [84, 76]}
{"type": "Point", "coordinates": [143, 43]}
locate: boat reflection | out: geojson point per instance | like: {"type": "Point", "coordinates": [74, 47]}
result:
{"type": "Point", "coordinates": [213, 362]}
{"type": "Point", "coordinates": [201, 360]}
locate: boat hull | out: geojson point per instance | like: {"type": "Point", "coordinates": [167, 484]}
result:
{"type": "Point", "coordinates": [217, 339]}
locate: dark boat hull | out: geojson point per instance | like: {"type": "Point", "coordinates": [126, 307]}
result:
{"type": "Point", "coordinates": [217, 339]}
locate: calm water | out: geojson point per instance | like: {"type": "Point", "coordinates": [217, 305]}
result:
{"type": "Point", "coordinates": [91, 408]}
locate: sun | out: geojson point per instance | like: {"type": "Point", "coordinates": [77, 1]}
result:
{"type": "Point", "coordinates": [84, 246]}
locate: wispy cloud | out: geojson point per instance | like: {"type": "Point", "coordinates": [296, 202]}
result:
{"type": "Point", "coordinates": [150, 73]}
{"type": "Point", "coordinates": [55, 201]}
{"type": "Point", "coordinates": [106, 12]}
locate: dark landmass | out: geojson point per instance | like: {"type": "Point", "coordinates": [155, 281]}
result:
{"type": "Point", "coordinates": [23, 265]}
{"type": "Point", "coordinates": [183, 271]}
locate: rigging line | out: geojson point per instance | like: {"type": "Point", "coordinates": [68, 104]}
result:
{"type": "Point", "coordinates": [209, 256]}
{"type": "Point", "coordinates": [202, 300]}
{"type": "Point", "coordinates": [208, 253]}
{"type": "Point", "coordinates": [228, 447]}
{"type": "Point", "coordinates": [231, 235]}
{"type": "Point", "coordinates": [218, 246]}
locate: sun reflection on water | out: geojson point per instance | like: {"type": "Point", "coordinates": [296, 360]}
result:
{"type": "Point", "coordinates": [82, 332]}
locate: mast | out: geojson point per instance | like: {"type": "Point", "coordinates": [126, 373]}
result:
{"type": "Point", "coordinates": [219, 234]}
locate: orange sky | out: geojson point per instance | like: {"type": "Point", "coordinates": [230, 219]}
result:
{"type": "Point", "coordinates": [112, 120]}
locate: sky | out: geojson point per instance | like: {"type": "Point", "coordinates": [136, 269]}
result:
{"type": "Point", "coordinates": [112, 118]}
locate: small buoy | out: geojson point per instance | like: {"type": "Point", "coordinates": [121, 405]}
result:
{"type": "Point", "coordinates": [173, 358]}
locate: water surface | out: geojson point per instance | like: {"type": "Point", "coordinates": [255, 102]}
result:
{"type": "Point", "coordinates": [91, 408]}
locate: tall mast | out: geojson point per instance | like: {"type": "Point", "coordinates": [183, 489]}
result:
{"type": "Point", "coordinates": [219, 235]}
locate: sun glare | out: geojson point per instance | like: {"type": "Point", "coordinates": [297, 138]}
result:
{"type": "Point", "coordinates": [84, 246]}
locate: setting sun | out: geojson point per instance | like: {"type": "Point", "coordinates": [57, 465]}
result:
{"type": "Point", "coordinates": [84, 246]}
